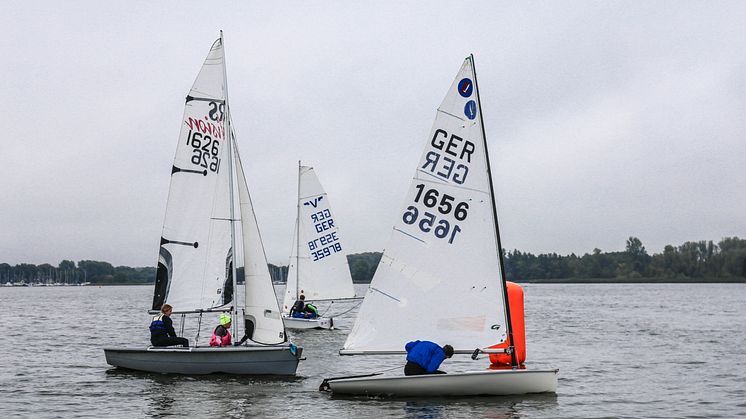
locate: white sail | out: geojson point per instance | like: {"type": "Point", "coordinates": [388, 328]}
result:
{"type": "Point", "coordinates": [318, 267]}
{"type": "Point", "coordinates": [194, 270]}
{"type": "Point", "coordinates": [439, 277]}
{"type": "Point", "coordinates": [261, 302]}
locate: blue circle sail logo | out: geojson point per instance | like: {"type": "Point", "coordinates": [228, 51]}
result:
{"type": "Point", "coordinates": [465, 87]}
{"type": "Point", "coordinates": [470, 110]}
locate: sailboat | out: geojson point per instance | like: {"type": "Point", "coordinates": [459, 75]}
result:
{"type": "Point", "coordinates": [318, 265]}
{"type": "Point", "coordinates": [208, 210]}
{"type": "Point", "coordinates": [441, 277]}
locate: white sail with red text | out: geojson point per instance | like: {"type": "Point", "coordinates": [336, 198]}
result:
{"type": "Point", "coordinates": [195, 257]}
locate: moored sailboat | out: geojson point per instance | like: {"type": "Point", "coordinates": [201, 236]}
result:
{"type": "Point", "coordinates": [208, 207]}
{"type": "Point", "coordinates": [318, 267]}
{"type": "Point", "coordinates": [441, 277]}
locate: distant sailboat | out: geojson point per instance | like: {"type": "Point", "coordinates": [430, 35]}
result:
{"type": "Point", "coordinates": [196, 267]}
{"type": "Point", "coordinates": [318, 266]}
{"type": "Point", "coordinates": [441, 277]}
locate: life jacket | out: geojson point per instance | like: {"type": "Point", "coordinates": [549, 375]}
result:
{"type": "Point", "coordinates": [216, 340]}
{"type": "Point", "coordinates": [310, 308]}
{"type": "Point", "coordinates": [157, 327]}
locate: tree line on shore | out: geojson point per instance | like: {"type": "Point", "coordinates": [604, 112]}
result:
{"type": "Point", "coordinates": [689, 262]}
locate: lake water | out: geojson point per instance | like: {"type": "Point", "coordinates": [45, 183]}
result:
{"type": "Point", "coordinates": [642, 350]}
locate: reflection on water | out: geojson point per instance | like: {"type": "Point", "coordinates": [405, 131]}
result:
{"type": "Point", "coordinates": [621, 351]}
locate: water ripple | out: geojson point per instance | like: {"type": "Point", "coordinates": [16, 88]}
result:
{"type": "Point", "coordinates": [642, 351]}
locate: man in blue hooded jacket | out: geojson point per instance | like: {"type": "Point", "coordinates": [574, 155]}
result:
{"type": "Point", "coordinates": [424, 357]}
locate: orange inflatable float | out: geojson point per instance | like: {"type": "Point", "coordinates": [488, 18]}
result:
{"type": "Point", "coordinates": [515, 299]}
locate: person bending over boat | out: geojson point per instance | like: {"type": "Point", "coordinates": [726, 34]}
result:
{"type": "Point", "coordinates": [311, 312]}
{"type": "Point", "coordinates": [221, 336]}
{"type": "Point", "coordinates": [298, 309]}
{"type": "Point", "coordinates": [424, 357]}
{"type": "Point", "coordinates": [162, 331]}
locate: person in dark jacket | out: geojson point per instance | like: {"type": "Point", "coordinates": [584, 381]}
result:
{"type": "Point", "coordinates": [299, 308]}
{"type": "Point", "coordinates": [424, 357]}
{"type": "Point", "coordinates": [162, 331]}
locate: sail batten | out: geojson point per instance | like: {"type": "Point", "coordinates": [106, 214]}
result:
{"type": "Point", "coordinates": [195, 250]}
{"type": "Point", "coordinates": [439, 278]}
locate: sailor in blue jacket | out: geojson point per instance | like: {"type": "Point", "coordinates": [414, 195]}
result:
{"type": "Point", "coordinates": [424, 357]}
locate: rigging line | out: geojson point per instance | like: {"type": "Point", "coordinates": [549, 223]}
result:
{"type": "Point", "coordinates": [387, 295]}
{"type": "Point", "coordinates": [199, 329]}
{"type": "Point", "coordinates": [327, 309]}
{"type": "Point", "coordinates": [325, 386]}
{"type": "Point", "coordinates": [407, 234]}
{"type": "Point", "coordinates": [390, 369]}
{"type": "Point", "coordinates": [344, 312]}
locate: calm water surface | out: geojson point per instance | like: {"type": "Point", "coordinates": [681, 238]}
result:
{"type": "Point", "coordinates": [670, 350]}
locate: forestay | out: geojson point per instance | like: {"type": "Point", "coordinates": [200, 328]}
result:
{"type": "Point", "coordinates": [318, 267]}
{"type": "Point", "coordinates": [439, 278]}
{"type": "Point", "coordinates": [194, 267]}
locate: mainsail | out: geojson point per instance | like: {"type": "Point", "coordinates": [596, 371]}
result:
{"type": "Point", "coordinates": [195, 257]}
{"type": "Point", "coordinates": [439, 278]}
{"type": "Point", "coordinates": [318, 266]}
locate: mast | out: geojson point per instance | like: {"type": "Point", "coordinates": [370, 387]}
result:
{"type": "Point", "coordinates": [231, 143]}
{"type": "Point", "coordinates": [297, 239]}
{"type": "Point", "coordinates": [513, 359]}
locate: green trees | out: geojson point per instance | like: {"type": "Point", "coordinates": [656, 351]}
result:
{"type": "Point", "coordinates": [277, 273]}
{"type": "Point", "coordinates": [363, 266]}
{"type": "Point", "coordinates": [691, 261]}
{"type": "Point", "coordinates": [702, 260]}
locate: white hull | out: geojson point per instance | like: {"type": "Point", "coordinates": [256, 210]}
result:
{"type": "Point", "coordinates": [241, 360]}
{"type": "Point", "coordinates": [473, 383]}
{"type": "Point", "coordinates": [317, 323]}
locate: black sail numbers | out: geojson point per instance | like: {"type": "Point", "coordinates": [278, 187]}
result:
{"type": "Point", "coordinates": [205, 137]}
{"type": "Point", "coordinates": [448, 160]}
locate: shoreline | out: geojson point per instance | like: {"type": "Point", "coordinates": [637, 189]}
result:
{"type": "Point", "coordinates": [737, 280]}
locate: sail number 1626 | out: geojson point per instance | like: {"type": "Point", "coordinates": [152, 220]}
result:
{"type": "Point", "coordinates": [429, 221]}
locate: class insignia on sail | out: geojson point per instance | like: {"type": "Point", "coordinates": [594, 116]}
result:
{"type": "Point", "coordinates": [318, 268]}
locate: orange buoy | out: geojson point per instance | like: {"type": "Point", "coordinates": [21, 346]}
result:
{"type": "Point", "coordinates": [515, 299]}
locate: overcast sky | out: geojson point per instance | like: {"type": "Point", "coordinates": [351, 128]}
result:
{"type": "Point", "coordinates": [604, 119]}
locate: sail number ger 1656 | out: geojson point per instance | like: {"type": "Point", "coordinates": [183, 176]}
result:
{"type": "Point", "coordinates": [438, 223]}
